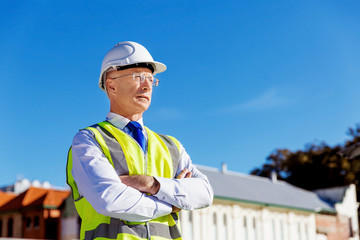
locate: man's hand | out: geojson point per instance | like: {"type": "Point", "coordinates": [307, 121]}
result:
{"type": "Point", "coordinates": [143, 183]}
{"type": "Point", "coordinates": [175, 209]}
{"type": "Point", "coordinates": [184, 174]}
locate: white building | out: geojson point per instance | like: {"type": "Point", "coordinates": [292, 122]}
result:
{"type": "Point", "coordinates": [249, 207]}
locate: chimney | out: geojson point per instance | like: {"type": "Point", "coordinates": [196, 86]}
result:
{"type": "Point", "coordinates": [223, 167]}
{"type": "Point", "coordinates": [273, 176]}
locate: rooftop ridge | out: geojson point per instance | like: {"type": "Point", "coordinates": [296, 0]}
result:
{"type": "Point", "coordinates": [234, 173]}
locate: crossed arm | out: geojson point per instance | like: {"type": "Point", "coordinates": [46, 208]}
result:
{"type": "Point", "coordinates": [127, 197]}
{"type": "Point", "coordinates": [149, 185]}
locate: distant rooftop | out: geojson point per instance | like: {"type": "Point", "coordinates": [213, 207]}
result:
{"type": "Point", "coordinates": [262, 191]}
{"type": "Point", "coordinates": [6, 197]}
{"type": "Point", "coordinates": [332, 195]}
{"type": "Point", "coordinates": [47, 198]}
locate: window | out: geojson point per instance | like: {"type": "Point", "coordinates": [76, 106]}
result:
{"type": "Point", "coordinates": [28, 223]}
{"type": "Point", "coordinates": [225, 228]}
{"type": "Point", "coordinates": [245, 235]}
{"type": "Point", "coordinates": [351, 230]}
{"type": "Point", "coordinates": [190, 225]}
{"type": "Point", "coordinates": [10, 227]}
{"type": "Point", "coordinates": [214, 227]}
{"type": "Point", "coordinates": [254, 229]}
{"type": "Point", "coordinates": [36, 221]}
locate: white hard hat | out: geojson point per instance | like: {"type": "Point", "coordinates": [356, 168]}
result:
{"type": "Point", "coordinates": [125, 55]}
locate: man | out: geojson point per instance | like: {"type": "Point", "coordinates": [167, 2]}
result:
{"type": "Point", "coordinates": [129, 182]}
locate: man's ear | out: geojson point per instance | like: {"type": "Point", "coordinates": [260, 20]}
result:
{"type": "Point", "coordinates": [110, 86]}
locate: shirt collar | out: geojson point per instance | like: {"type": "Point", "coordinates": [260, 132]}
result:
{"type": "Point", "coordinates": [120, 121]}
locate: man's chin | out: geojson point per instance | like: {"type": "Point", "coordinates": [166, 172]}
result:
{"type": "Point", "coordinates": [143, 103]}
{"type": "Point", "coordinates": [142, 107]}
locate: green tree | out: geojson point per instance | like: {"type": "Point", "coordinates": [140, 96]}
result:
{"type": "Point", "coordinates": [317, 165]}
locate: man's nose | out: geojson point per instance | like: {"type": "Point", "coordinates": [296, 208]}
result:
{"type": "Point", "coordinates": [146, 85]}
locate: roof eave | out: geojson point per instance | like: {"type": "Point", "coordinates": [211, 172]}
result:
{"type": "Point", "coordinates": [318, 210]}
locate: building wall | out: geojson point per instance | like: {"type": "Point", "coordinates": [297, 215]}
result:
{"type": "Point", "coordinates": [16, 225]}
{"type": "Point", "coordinates": [34, 224]}
{"type": "Point", "coordinates": [70, 228]}
{"type": "Point", "coordinates": [70, 221]}
{"type": "Point", "coordinates": [349, 208]}
{"type": "Point", "coordinates": [237, 221]}
{"type": "Point", "coordinates": [345, 224]}
{"type": "Point", "coordinates": [334, 227]}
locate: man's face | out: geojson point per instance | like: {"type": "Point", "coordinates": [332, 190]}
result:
{"type": "Point", "coordinates": [128, 97]}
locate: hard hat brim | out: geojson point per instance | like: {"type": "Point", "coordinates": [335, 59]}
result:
{"type": "Point", "coordinates": [159, 67]}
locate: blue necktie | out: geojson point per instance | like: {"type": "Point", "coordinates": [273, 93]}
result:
{"type": "Point", "coordinates": [136, 132]}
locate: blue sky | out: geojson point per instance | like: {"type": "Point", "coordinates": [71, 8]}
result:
{"type": "Point", "coordinates": [243, 78]}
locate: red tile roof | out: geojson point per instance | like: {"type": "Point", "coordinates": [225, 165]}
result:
{"type": "Point", "coordinates": [47, 198]}
{"type": "Point", "coordinates": [6, 197]}
{"type": "Point", "coordinates": [55, 198]}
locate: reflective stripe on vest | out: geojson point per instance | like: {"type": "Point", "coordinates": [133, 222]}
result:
{"type": "Point", "coordinates": [161, 159]}
{"type": "Point", "coordinates": [116, 226]}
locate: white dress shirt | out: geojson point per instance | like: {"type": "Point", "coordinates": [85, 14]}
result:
{"type": "Point", "coordinates": [99, 182]}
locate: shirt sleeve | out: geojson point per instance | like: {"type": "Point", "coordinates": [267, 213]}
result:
{"type": "Point", "coordinates": [98, 182]}
{"type": "Point", "coordinates": [187, 193]}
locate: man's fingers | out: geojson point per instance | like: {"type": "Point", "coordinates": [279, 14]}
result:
{"type": "Point", "coordinates": [188, 175]}
{"type": "Point", "coordinates": [175, 209]}
{"type": "Point", "coordinates": [123, 178]}
{"type": "Point", "coordinates": [183, 173]}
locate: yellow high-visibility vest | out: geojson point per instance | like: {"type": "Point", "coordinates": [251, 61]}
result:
{"type": "Point", "coordinates": [161, 159]}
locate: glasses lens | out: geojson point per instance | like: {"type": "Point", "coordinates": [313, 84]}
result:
{"type": "Point", "coordinates": [149, 77]}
